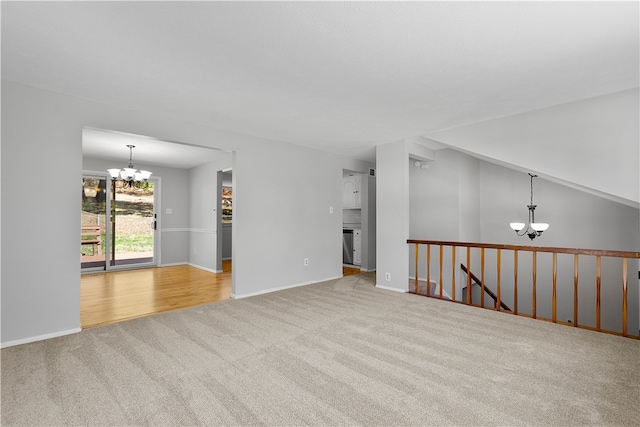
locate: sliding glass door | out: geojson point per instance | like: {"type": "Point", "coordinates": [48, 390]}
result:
{"type": "Point", "coordinates": [125, 237]}
{"type": "Point", "coordinates": [94, 222]}
{"type": "Point", "coordinates": [133, 224]}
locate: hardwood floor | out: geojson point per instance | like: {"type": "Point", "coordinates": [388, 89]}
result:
{"type": "Point", "coordinates": [112, 297]}
{"type": "Point", "coordinates": [348, 271]}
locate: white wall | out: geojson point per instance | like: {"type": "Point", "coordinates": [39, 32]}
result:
{"type": "Point", "coordinates": [272, 181]}
{"type": "Point", "coordinates": [594, 143]}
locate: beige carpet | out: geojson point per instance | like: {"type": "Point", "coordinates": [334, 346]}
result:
{"type": "Point", "coordinates": [336, 353]}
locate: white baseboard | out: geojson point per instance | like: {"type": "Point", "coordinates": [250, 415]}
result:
{"type": "Point", "coordinates": [191, 265]}
{"type": "Point", "coordinates": [281, 288]}
{"type": "Point", "coordinates": [40, 337]}
{"type": "Point", "coordinates": [173, 264]}
{"type": "Point", "coordinates": [389, 288]}
{"type": "Point", "coordinates": [210, 270]}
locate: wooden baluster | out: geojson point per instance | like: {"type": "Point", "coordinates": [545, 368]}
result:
{"type": "Point", "coordinates": [468, 275]}
{"type": "Point", "coordinates": [575, 290]}
{"type": "Point", "coordinates": [415, 286]}
{"type": "Point", "coordinates": [625, 281]}
{"type": "Point", "coordinates": [598, 282]}
{"type": "Point", "coordinates": [441, 282]}
{"type": "Point", "coordinates": [482, 274]}
{"type": "Point", "coordinates": [555, 282]}
{"type": "Point", "coordinates": [533, 292]}
{"type": "Point", "coordinates": [515, 281]}
{"type": "Point", "coordinates": [428, 270]}
{"type": "Point", "coordinates": [497, 304]}
{"type": "Point", "coordinates": [453, 273]}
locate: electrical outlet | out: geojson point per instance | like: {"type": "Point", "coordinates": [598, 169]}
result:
{"type": "Point", "coordinates": [306, 262]}
{"type": "Point", "coordinates": [387, 277]}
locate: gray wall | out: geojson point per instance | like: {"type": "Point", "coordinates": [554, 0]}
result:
{"type": "Point", "coordinates": [270, 240]}
{"type": "Point", "coordinates": [392, 215]}
{"type": "Point", "coordinates": [204, 195]}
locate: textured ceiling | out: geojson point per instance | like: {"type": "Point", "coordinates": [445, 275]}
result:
{"type": "Point", "coordinates": [339, 76]}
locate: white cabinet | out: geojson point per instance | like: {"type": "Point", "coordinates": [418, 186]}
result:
{"type": "Point", "coordinates": [352, 192]}
{"type": "Point", "coordinates": [357, 247]}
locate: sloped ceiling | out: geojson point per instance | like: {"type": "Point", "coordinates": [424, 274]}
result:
{"type": "Point", "coordinates": [592, 145]}
{"type": "Point", "coordinates": [338, 76]}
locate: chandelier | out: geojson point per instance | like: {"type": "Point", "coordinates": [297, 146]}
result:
{"type": "Point", "coordinates": [533, 229]}
{"type": "Point", "coordinates": [130, 175]}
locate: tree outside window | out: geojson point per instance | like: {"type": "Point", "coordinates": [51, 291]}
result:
{"type": "Point", "coordinates": [227, 205]}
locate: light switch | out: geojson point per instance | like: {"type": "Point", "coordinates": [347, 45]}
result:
{"type": "Point", "coordinates": [331, 209]}
{"type": "Point", "coordinates": [168, 211]}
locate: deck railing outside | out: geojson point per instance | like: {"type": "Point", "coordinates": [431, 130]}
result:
{"type": "Point", "coordinates": [587, 282]}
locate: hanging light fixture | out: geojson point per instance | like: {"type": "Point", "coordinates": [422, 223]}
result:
{"type": "Point", "coordinates": [533, 229]}
{"type": "Point", "coordinates": [130, 175]}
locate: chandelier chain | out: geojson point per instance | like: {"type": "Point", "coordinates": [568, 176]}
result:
{"type": "Point", "coordinates": [532, 176]}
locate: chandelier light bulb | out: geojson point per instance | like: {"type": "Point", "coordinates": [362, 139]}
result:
{"type": "Point", "coordinates": [517, 226]}
{"type": "Point", "coordinates": [540, 226]}
{"type": "Point", "coordinates": [130, 175]}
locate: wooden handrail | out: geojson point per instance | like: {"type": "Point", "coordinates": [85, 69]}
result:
{"type": "Point", "coordinates": [478, 282]}
{"type": "Point", "coordinates": [593, 252]}
{"type": "Point", "coordinates": [598, 285]}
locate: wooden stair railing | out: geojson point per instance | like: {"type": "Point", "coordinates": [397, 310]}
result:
{"type": "Point", "coordinates": [621, 279]}
{"type": "Point", "coordinates": [485, 288]}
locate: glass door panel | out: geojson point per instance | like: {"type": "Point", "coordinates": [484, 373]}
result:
{"type": "Point", "coordinates": [94, 222]}
{"type": "Point", "coordinates": [133, 224]}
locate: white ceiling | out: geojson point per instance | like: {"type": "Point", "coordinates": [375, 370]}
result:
{"type": "Point", "coordinates": [339, 76]}
{"type": "Point", "coordinates": [106, 144]}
